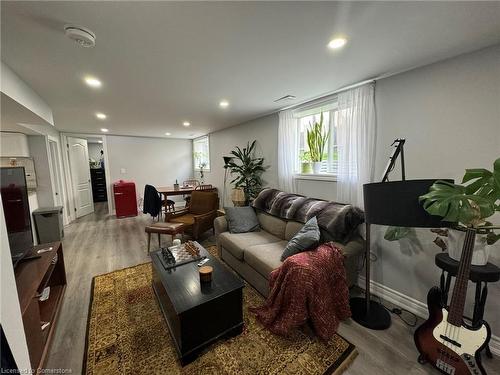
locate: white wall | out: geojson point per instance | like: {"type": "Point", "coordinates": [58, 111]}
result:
{"type": "Point", "coordinates": [10, 310]}
{"type": "Point", "coordinates": [14, 144]}
{"type": "Point", "coordinates": [38, 145]}
{"type": "Point", "coordinates": [449, 114]}
{"type": "Point", "coordinates": [13, 86]}
{"type": "Point", "coordinates": [154, 161]}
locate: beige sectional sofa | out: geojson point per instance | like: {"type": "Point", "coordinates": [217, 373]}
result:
{"type": "Point", "coordinates": [255, 254]}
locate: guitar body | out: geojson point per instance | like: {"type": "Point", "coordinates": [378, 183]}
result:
{"type": "Point", "coordinates": [452, 350]}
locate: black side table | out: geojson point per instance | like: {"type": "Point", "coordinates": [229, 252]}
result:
{"type": "Point", "coordinates": [479, 275]}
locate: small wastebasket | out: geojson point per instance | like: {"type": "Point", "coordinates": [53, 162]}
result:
{"type": "Point", "coordinates": [48, 224]}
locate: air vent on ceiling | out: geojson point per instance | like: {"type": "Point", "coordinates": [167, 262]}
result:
{"type": "Point", "coordinates": [285, 98]}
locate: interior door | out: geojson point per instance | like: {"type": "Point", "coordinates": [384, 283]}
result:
{"type": "Point", "coordinates": [78, 152]}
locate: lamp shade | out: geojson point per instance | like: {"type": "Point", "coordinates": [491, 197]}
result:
{"type": "Point", "coordinates": [227, 159]}
{"type": "Point", "coordinates": [397, 203]}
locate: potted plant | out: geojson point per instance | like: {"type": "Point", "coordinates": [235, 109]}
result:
{"type": "Point", "coordinates": [317, 140]}
{"type": "Point", "coordinates": [468, 205]}
{"type": "Point", "coordinates": [305, 162]}
{"type": "Point", "coordinates": [248, 170]}
{"type": "Point", "coordinates": [202, 166]}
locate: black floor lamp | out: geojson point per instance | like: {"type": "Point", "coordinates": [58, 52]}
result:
{"type": "Point", "coordinates": [395, 204]}
{"type": "Point", "coordinates": [227, 159]}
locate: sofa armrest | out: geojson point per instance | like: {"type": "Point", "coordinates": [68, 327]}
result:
{"type": "Point", "coordinates": [220, 226]}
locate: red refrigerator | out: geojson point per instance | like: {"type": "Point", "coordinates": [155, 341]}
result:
{"type": "Point", "coordinates": [125, 198]}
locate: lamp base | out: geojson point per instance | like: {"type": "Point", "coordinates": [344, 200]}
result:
{"type": "Point", "coordinates": [377, 318]}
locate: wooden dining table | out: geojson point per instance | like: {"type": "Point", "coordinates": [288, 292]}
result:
{"type": "Point", "coordinates": [166, 191]}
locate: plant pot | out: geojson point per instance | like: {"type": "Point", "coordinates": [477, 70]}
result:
{"type": "Point", "coordinates": [316, 167]}
{"type": "Point", "coordinates": [238, 197]}
{"type": "Point", "coordinates": [455, 243]}
{"type": "Point", "coordinates": [306, 167]}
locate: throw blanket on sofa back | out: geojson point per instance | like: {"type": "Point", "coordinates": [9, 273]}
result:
{"type": "Point", "coordinates": [339, 220]}
{"type": "Point", "coordinates": [310, 286]}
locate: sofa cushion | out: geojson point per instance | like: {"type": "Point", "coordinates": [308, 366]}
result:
{"type": "Point", "coordinates": [237, 243]}
{"type": "Point", "coordinates": [265, 258]}
{"type": "Point", "coordinates": [272, 224]}
{"type": "Point", "coordinates": [307, 237]}
{"type": "Point", "coordinates": [241, 219]}
{"type": "Point", "coordinates": [292, 228]}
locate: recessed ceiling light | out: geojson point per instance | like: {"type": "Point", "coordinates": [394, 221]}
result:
{"type": "Point", "coordinates": [99, 141]}
{"type": "Point", "coordinates": [104, 130]}
{"type": "Point", "coordinates": [100, 116]}
{"type": "Point", "coordinates": [223, 104]}
{"type": "Point", "coordinates": [167, 133]}
{"type": "Point", "coordinates": [337, 43]}
{"type": "Point", "coordinates": [93, 82]}
{"type": "Point", "coordinates": [186, 123]}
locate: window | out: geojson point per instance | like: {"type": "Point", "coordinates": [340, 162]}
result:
{"type": "Point", "coordinates": [329, 163]}
{"type": "Point", "coordinates": [201, 153]}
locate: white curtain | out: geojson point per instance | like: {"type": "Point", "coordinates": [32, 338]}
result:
{"type": "Point", "coordinates": [288, 150]}
{"type": "Point", "coordinates": [356, 131]}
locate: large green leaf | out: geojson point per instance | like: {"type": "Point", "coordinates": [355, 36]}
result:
{"type": "Point", "coordinates": [484, 183]}
{"type": "Point", "coordinates": [453, 204]}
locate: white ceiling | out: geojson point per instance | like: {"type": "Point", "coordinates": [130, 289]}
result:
{"type": "Point", "coordinates": [162, 63]}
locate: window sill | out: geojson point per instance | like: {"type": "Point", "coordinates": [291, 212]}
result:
{"type": "Point", "coordinates": [316, 177]}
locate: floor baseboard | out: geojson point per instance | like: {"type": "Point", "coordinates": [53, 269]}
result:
{"type": "Point", "coordinates": [417, 307]}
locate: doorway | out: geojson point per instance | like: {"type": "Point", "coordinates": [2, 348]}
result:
{"type": "Point", "coordinates": [86, 163]}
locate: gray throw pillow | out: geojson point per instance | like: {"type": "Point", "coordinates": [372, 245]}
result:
{"type": "Point", "coordinates": [241, 219]}
{"type": "Point", "coordinates": [306, 238]}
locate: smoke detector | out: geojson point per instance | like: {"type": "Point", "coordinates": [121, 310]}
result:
{"type": "Point", "coordinates": [81, 35]}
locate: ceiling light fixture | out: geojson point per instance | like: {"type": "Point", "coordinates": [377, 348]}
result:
{"type": "Point", "coordinates": [104, 130]}
{"type": "Point", "coordinates": [168, 133]}
{"type": "Point", "coordinates": [186, 123]}
{"type": "Point", "coordinates": [99, 141]}
{"type": "Point", "coordinates": [92, 82]}
{"type": "Point", "coordinates": [223, 104]}
{"type": "Point", "coordinates": [337, 43]}
{"type": "Point", "coordinates": [100, 116]}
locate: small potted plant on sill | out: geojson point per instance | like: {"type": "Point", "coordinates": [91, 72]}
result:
{"type": "Point", "coordinates": [468, 205]}
{"type": "Point", "coordinates": [317, 139]}
{"type": "Point", "coordinates": [305, 162]}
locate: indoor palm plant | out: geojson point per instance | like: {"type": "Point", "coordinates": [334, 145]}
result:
{"type": "Point", "coordinates": [317, 139]}
{"type": "Point", "coordinates": [468, 205]}
{"type": "Point", "coordinates": [247, 170]}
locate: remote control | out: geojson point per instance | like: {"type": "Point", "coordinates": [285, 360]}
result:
{"type": "Point", "coordinates": [202, 262]}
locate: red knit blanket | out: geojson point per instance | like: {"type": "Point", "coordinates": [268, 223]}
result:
{"type": "Point", "coordinates": [310, 286]}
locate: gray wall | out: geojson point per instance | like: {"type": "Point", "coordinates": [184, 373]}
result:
{"type": "Point", "coordinates": [264, 130]}
{"type": "Point", "coordinates": [154, 161]}
{"type": "Point", "coordinates": [449, 114]}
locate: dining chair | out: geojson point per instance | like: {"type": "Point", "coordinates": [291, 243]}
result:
{"type": "Point", "coordinates": [205, 187]}
{"type": "Point", "coordinates": [190, 182]}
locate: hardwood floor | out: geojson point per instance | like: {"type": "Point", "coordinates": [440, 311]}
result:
{"type": "Point", "coordinates": [98, 243]}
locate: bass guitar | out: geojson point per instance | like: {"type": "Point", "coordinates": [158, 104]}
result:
{"type": "Point", "coordinates": [444, 339]}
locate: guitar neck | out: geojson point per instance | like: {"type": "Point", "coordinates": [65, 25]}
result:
{"type": "Point", "coordinates": [457, 304]}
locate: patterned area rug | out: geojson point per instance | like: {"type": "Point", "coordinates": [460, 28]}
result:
{"type": "Point", "coordinates": [126, 334]}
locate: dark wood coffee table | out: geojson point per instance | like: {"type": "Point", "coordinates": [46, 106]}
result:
{"type": "Point", "coordinates": [198, 313]}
